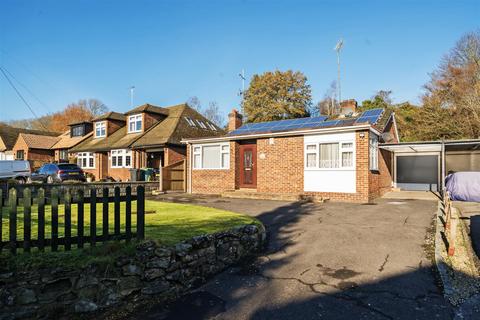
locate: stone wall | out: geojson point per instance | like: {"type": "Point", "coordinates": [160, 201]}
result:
{"type": "Point", "coordinates": [151, 272]}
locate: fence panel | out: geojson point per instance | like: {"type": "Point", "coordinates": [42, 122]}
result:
{"type": "Point", "coordinates": [61, 208]}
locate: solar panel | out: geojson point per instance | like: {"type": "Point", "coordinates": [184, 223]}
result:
{"type": "Point", "coordinates": [370, 116]}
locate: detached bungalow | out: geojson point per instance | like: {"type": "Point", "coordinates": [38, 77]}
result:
{"type": "Point", "coordinates": [146, 136]}
{"type": "Point", "coordinates": [319, 158]}
{"type": "Point", "coordinates": [35, 148]}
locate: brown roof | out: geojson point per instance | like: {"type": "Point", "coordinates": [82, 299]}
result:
{"type": "Point", "coordinates": [171, 130]}
{"type": "Point", "coordinates": [67, 142]}
{"type": "Point", "coordinates": [176, 127]}
{"type": "Point", "coordinates": [36, 141]}
{"type": "Point", "coordinates": [9, 135]}
{"type": "Point", "coordinates": [148, 108]}
{"type": "Point", "coordinates": [112, 115]}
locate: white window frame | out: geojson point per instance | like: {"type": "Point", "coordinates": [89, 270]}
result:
{"type": "Point", "coordinates": [86, 156]}
{"type": "Point", "coordinates": [100, 127]}
{"type": "Point", "coordinates": [341, 149]}
{"type": "Point", "coordinates": [373, 152]}
{"type": "Point", "coordinates": [135, 119]}
{"type": "Point", "coordinates": [197, 150]}
{"type": "Point", "coordinates": [63, 152]}
{"type": "Point", "coordinates": [120, 154]}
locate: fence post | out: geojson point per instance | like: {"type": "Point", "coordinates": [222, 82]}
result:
{"type": "Point", "coordinates": [68, 220]}
{"type": "Point", "coordinates": [1, 219]}
{"type": "Point", "coordinates": [128, 213]}
{"type": "Point", "coordinates": [12, 198]}
{"type": "Point", "coordinates": [140, 212]}
{"type": "Point", "coordinates": [93, 216]}
{"type": "Point", "coordinates": [105, 214]}
{"type": "Point", "coordinates": [116, 205]}
{"type": "Point", "coordinates": [452, 236]}
{"type": "Point", "coordinates": [80, 217]}
{"type": "Point", "coordinates": [27, 219]}
{"type": "Point", "coordinates": [41, 219]}
{"type": "Point", "coordinates": [54, 204]}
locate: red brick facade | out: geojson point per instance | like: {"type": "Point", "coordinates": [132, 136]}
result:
{"type": "Point", "coordinates": [280, 170]}
{"type": "Point", "coordinates": [174, 154]}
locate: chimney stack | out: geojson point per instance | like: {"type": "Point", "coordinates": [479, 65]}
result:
{"type": "Point", "coordinates": [234, 120]}
{"type": "Point", "coordinates": [348, 107]}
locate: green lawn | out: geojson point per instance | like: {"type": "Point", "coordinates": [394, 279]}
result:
{"type": "Point", "coordinates": [167, 223]}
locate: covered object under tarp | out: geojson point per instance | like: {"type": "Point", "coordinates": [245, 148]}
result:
{"type": "Point", "coordinates": [464, 186]}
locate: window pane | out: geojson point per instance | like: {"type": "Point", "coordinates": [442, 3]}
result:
{"type": "Point", "coordinates": [225, 160]}
{"type": "Point", "coordinates": [226, 148]}
{"type": "Point", "coordinates": [128, 161]}
{"type": "Point", "coordinates": [347, 159]}
{"type": "Point", "coordinates": [329, 155]}
{"type": "Point", "coordinates": [211, 157]}
{"type": "Point", "coordinates": [312, 147]}
{"type": "Point", "coordinates": [119, 161]}
{"type": "Point", "coordinates": [196, 161]}
{"type": "Point", "coordinates": [347, 145]}
{"type": "Point", "coordinates": [114, 161]}
{"type": "Point", "coordinates": [139, 125]}
{"type": "Point", "coordinates": [311, 160]}
{"type": "Point", "coordinates": [196, 149]}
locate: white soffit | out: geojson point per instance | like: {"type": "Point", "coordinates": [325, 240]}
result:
{"type": "Point", "coordinates": [412, 148]}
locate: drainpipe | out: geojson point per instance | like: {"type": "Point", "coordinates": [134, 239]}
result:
{"type": "Point", "coordinates": [443, 167]}
{"type": "Point", "coordinates": [190, 157]}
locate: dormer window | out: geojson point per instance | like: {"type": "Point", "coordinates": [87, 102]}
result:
{"type": "Point", "coordinates": [135, 123]}
{"type": "Point", "coordinates": [78, 131]}
{"type": "Point", "coordinates": [100, 129]}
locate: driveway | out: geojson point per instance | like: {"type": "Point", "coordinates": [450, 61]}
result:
{"type": "Point", "coordinates": [324, 261]}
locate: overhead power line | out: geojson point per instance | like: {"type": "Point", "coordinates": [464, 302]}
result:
{"type": "Point", "coordinates": [22, 98]}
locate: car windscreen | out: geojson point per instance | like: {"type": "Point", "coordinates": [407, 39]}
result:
{"type": "Point", "coordinates": [68, 166]}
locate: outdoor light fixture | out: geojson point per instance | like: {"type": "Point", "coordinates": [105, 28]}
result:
{"type": "Point", "coordinates": [362, 135]}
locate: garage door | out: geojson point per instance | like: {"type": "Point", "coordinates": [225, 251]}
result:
{"type": "Point", "coordinates": [417, 172]}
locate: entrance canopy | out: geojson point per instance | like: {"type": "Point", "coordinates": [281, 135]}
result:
{"type": "Point", "coordinates": [413, 147]}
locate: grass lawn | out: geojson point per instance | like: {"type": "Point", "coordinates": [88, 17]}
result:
{"type": "Point", "coordinates": [166, 223]}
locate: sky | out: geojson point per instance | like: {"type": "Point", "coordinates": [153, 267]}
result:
{"type": "Point", "coordinates": [57, 52]}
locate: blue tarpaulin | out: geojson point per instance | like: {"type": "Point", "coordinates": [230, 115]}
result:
{"type": "Point", "coordinates": [464, 186]}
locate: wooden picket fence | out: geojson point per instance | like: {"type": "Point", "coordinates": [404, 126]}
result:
{"type": "Point", "coordinates": [450, 223]}
{"type": "Point", "coordinates": [9, 209]}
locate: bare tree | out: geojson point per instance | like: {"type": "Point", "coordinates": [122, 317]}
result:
{"type": "Point", "coordinates": [329, 104]}
{"type": "Point", "coordinates": [213, 114]}
{"type": "Point", "coordinates": [95, 106]}
{"type": "Point", "coordinates": [194, 102]}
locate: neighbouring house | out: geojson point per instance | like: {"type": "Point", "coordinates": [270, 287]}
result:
{"type": "Point", "coordinates": [78, 132]}
{"type": "Point", "coordinates": [35, 148]}
{"type": "Point", "coordinates": [8, 137]}
{"type": "Point", "coordinates": [144, 137]}
{"type": "Point", "coordinates": [320, 158]}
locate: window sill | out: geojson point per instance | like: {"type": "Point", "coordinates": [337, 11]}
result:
{"type": "Point", "coordinates": [376, 171]}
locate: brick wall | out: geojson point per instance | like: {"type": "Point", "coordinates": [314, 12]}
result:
{"type": "Point", "coordinates": [281, 170]}
{"type": "Point", "coordinates": [101, 166]}
{"type": "Point", "coordinates": [214, 181]}
{"type": "Point", "coordinates": [149, 119]}
{"type": "Point", "coordinates": [174, 154]}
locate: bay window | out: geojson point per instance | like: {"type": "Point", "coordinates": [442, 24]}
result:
{"type": "Point", "coordinates": [329, 155]}
{"type": "Point", "coordinates": [121, 158]}
{"type": "Point", "coordinates": [100, 129]}
{"type": "Point", "coordinates": [373, 152]}
{"type": "Point", "coordinates": [86, 160]}
{"type": "Point", "coordinates": [211, 156]}
{"type": "Point", "coordinates": [135, 123]}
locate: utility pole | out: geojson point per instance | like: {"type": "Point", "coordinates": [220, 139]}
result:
{"type": "Point", "coordinates": [242, 92]}
{"type": "Point", "coordinates": [338, 48]}
{"type": "Point", "coordinates": [132, 88]}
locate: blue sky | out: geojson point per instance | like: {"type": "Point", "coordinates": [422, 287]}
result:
{"type": "Point", "coordinates": [63, 51]}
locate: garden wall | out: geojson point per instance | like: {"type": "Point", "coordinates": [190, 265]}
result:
{"type": "Point", "coordinates": [151, 272]}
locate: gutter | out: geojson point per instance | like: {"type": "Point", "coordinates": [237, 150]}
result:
{"type": "Point", "coordinates": [282, 134]}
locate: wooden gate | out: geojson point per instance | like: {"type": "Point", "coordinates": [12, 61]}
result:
{"type": "Point", "coordinates": [174, 176]}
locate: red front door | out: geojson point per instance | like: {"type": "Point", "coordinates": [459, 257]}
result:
{"type": "Point", "coordinates": [248, 166]}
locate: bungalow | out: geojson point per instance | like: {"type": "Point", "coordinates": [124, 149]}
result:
{"type": "Point", "coordinates": [319, 158]}
{"type": "Point", "coordinates": [79, 131]}
{"type": "Point", "coordinates": [35, 148]}
{"type": "Point", "coordinates": [146, 136]}
{"type": "Point", "coordinates": [8, 137]}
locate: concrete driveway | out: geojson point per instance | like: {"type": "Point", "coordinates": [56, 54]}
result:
{"type": "Point", "coordinates": [324, 261]}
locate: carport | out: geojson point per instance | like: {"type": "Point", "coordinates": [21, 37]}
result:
{"type": "Point", "coordinates": [424, 165]}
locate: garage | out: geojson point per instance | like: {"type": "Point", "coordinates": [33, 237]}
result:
{"type": "Point", "coordinates": [417, 172]}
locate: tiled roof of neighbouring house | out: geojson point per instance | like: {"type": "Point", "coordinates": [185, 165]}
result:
{"type": "Point", "coordinates": [9, 135]}
{"type": "Point", "coordinates": [67, 142]}
{"type": "Point", "coordinates": [35, 141]}
{"type": "Point", "coordinates": [181, 122]}
{"type": "Point", "coordinates": [110, 116]}
{"type": "Point", "coordinates": [148, 108]}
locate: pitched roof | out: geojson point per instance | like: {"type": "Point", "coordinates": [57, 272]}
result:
{"type": "Point", "coordinates": [148, 108]}
{"type": "Point", "coordinates": [170, 130]}
{"type": "Point", "coordinates": [183, 122]}
{"type": "Point", "coordinates": [112, 115]}
{"type": "Point", "coordinates": [67, 142]}
{"type": "Point", "coordinates": [36, 141]}
{"type": "Point", "coordinates": [9, 135]}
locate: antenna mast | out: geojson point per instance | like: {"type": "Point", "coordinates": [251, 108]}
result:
{"type": "Point", "coordinates": [338, 48]}
{"type": "Point", "coordinates": [132, 89]}
{"type": "Point", "coordinates": [241, 93]}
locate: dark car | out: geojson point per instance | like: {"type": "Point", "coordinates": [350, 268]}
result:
{"type": "Point", "coordinates": [52, 172]}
